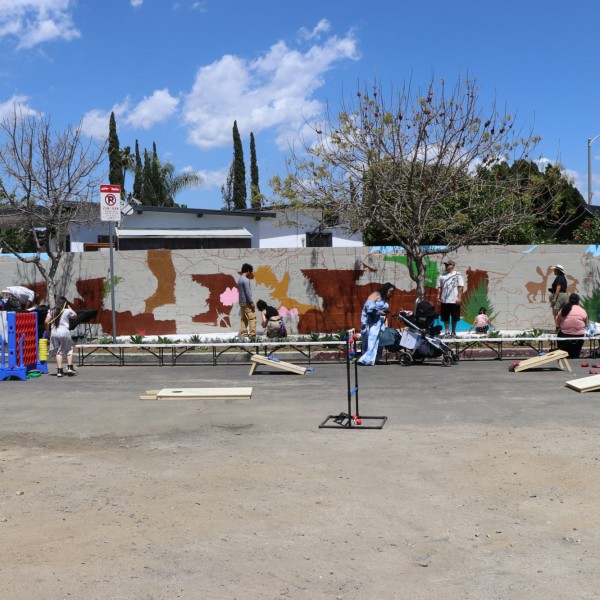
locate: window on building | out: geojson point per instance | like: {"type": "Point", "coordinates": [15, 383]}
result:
{"type": "Point", "coordinates": [318, 240]}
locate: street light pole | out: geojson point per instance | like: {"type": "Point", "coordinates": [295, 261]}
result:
{"type": "Point", "coordinates": [590, 142]}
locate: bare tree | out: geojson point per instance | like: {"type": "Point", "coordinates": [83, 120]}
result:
{"type": "Point", "coordinates": [414, 171]}
{"type": "Point", "coordinates": [47, 179]}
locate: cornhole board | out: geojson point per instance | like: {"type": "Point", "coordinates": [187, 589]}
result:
{"type": "Point", "coordinates": [275, 363]}
{"type": "Point", "coordinates": [585, 384]}
{"type": "Point", "coordinates": [241, 393]}
{"type": "Point", "coordinates": [540, 361]}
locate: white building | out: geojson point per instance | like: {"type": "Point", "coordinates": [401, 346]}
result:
{"type": "Point", "coordinates": [152, 227]}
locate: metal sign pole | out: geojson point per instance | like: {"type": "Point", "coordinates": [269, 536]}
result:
{"type": "Point", "coordinates": [112, 282]}
{"type": "Point", "coordinates": [110, 210]}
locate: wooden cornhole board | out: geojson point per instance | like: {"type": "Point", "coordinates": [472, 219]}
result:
{"type": "Point", "coordinates": [585, 384]}
{"type": "Point", "coordinates": [257, 359]}
{"type": "Point", "coordinates": [539, 361]}
{"type": "Point", "coordinates": [241, 393]}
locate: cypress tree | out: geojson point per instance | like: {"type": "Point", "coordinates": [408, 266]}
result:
{"type": "Point", "coordinates": [148, 194]}
{"type": "Point", "coordinates": [139, 176]}
{"type": "Point", "coordinates": [115, 160]}
{"type": "Point", "coordinates": [227, 190]}
{"type": "Point", "coordinates": [255, 196]}
{"type": "Point", "coordinates": [239, 171]}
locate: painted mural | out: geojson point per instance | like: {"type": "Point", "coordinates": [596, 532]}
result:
{"type": "Point", "coordinates": [170, 292]}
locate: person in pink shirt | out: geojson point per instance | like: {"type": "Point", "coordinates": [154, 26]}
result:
{"type": "Point", "coordinates": [482, 322]}
{"type": "Point", "coordinates": [572, 321]}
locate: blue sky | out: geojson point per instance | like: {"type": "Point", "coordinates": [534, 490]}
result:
{"type": "Point", "coordinates": [178, 72]}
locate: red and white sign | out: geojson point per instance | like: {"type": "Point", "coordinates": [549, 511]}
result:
{"type": "Point", "coordinates": [110, 202]}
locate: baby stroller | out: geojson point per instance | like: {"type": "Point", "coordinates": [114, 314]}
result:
{"type": "Point", "coordinates": [418, 340]}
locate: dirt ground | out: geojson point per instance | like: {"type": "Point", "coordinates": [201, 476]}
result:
{"type": "Point", "coordinates": [471, 490]}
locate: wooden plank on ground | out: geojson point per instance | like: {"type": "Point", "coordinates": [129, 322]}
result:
{"type": "Point", "coordinates": [240, 393]}
{"type": "Point", "coordinates": [538, 361]}
{"type": "Point", "coordinates": [275, 363]}
{"type": "Point", "coordinates": [585, 384]}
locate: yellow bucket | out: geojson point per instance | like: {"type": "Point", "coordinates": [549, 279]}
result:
{"type": "Point", "coordinates": [43, 349]}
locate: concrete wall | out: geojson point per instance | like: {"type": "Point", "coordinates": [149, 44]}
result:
{"type": "Point", "coordinates": [316, 289]}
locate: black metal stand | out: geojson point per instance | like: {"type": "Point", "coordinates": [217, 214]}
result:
{"type": "Point", "coordinates": [351, 420]}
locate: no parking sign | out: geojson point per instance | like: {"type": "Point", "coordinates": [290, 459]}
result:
{"type": "Point", "coordinates": [110, 202]}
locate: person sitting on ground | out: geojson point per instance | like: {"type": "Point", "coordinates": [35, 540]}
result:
{"type": "Point", "coordinates": [272, 321]}
{"type": "Point", "coordinates": [572, 321]}
{"type": "Point", "coordinates": [482, 322]}
{"type": "Point", "coordinates": [57, 328]}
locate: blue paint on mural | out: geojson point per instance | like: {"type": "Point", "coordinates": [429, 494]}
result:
{"type": "Point", "coordinates": [530, 250]}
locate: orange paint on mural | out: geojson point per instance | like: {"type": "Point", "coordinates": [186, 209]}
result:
{"type": "Point", "coordinates": [160, 263]}
{"type": "Point", "coordinates": [279, 290]}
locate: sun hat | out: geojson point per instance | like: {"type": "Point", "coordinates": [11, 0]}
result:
{"type": "Point", "coordinates": [559, 268]}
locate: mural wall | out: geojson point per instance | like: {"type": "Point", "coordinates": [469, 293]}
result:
{"type": "Point", "coordinates": [162, 292]}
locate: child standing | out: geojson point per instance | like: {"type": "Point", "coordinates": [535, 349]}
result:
{"type": "Point", "coordinates": [61, 344]}
{"type": "Point", "coordinates": [482, 322]}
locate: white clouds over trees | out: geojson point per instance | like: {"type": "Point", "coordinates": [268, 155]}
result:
{"type": "Point", "coordinates": [274, 90]}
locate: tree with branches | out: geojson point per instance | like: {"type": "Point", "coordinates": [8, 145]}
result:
{"type": "Point", "coordinates": [415, 170]}
{"type": "Point", "coordinates": [47, 180]}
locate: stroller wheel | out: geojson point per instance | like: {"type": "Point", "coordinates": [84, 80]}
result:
{"type": "Point", "coordinates": [455, 358]}
{"type": "Point", "coordinates": [418, 359]}
{"type": "Point", "coordinates": [405, 359]}
{"type": "Point", "coordinates": [446, 360]}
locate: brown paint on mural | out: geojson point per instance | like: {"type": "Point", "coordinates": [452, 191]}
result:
{"type": "Point", "coordinates": [91, 292]}
{"type": "Point", "coordinates": [343, 300]}
{"type": "Point", "coordinates": [160, 263]}
{"type": "Point", "coordinates": [264, 276]}
{"type": "Point", "coordinates": [539, 287]}
{"type": "Point", "coordinates": [217, 313]}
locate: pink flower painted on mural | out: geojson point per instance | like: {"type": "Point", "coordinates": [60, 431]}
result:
{"type": "Point", "coordinates": [229, 297]}
{"type": "Point", "coordinates": [292, 314]}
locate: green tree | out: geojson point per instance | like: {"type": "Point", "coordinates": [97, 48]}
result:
{"type": "Point", "coordinates": [406, 168]}
{"type": "Point", "coordinates": [160, 183]}
{"type": "Point", "coordinates": [255, 195]}
{"type": "Point", "coordinates": [227, 190]}
{"type": "Point", "coordinates": [115, 158]}
{"type": "Point", "coordinates": [138, 179]}
{"type": "Point", "coordinates": [239, 171]}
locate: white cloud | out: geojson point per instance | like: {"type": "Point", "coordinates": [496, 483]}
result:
{"type": "Point", "coordinates": [34, 22]}
{"type": "Point", "coordinates": [213, 179]}
{"type": "Point", "coordinates": [158, 108]}
{"type": "Point", "coordinates": [136, 3]}
{"type": "Point", "coordinates": [322, 26]}
{"type": "Point", "coordinates": [18, 103]}
{"type": "Point", "coordinates": [275, 90]}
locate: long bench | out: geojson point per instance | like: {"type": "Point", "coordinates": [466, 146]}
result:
{"type": "Point", "coordinates": [168, 354]}
{"type": "Point", "coordinates": [545, 343]}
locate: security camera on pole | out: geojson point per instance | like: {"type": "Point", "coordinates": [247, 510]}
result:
{"type": "Point", "coordinates": [110, 210]}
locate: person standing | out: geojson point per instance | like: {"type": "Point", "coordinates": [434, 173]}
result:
{"type": "Point", "coordinates": [57, 328]}
{"type": "Point", "coordinates": [373, 322]}
{"type": "Point", "coordinates": [558, 292]}
{"type": "Point", "coordinates": [450, 288]}
{"type": "Point", "coordinates": [572, 321]}
{"type": "Point", "coordinates": [247, 307]}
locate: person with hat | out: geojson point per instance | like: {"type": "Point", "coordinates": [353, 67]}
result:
{"type": "Point", "coordinates": [558, 292]}
{"type": "Point", "coordinates": [450, 286]}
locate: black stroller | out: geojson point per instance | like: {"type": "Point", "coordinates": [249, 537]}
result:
{"type": "Point", "coordinates": [419, 340]}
